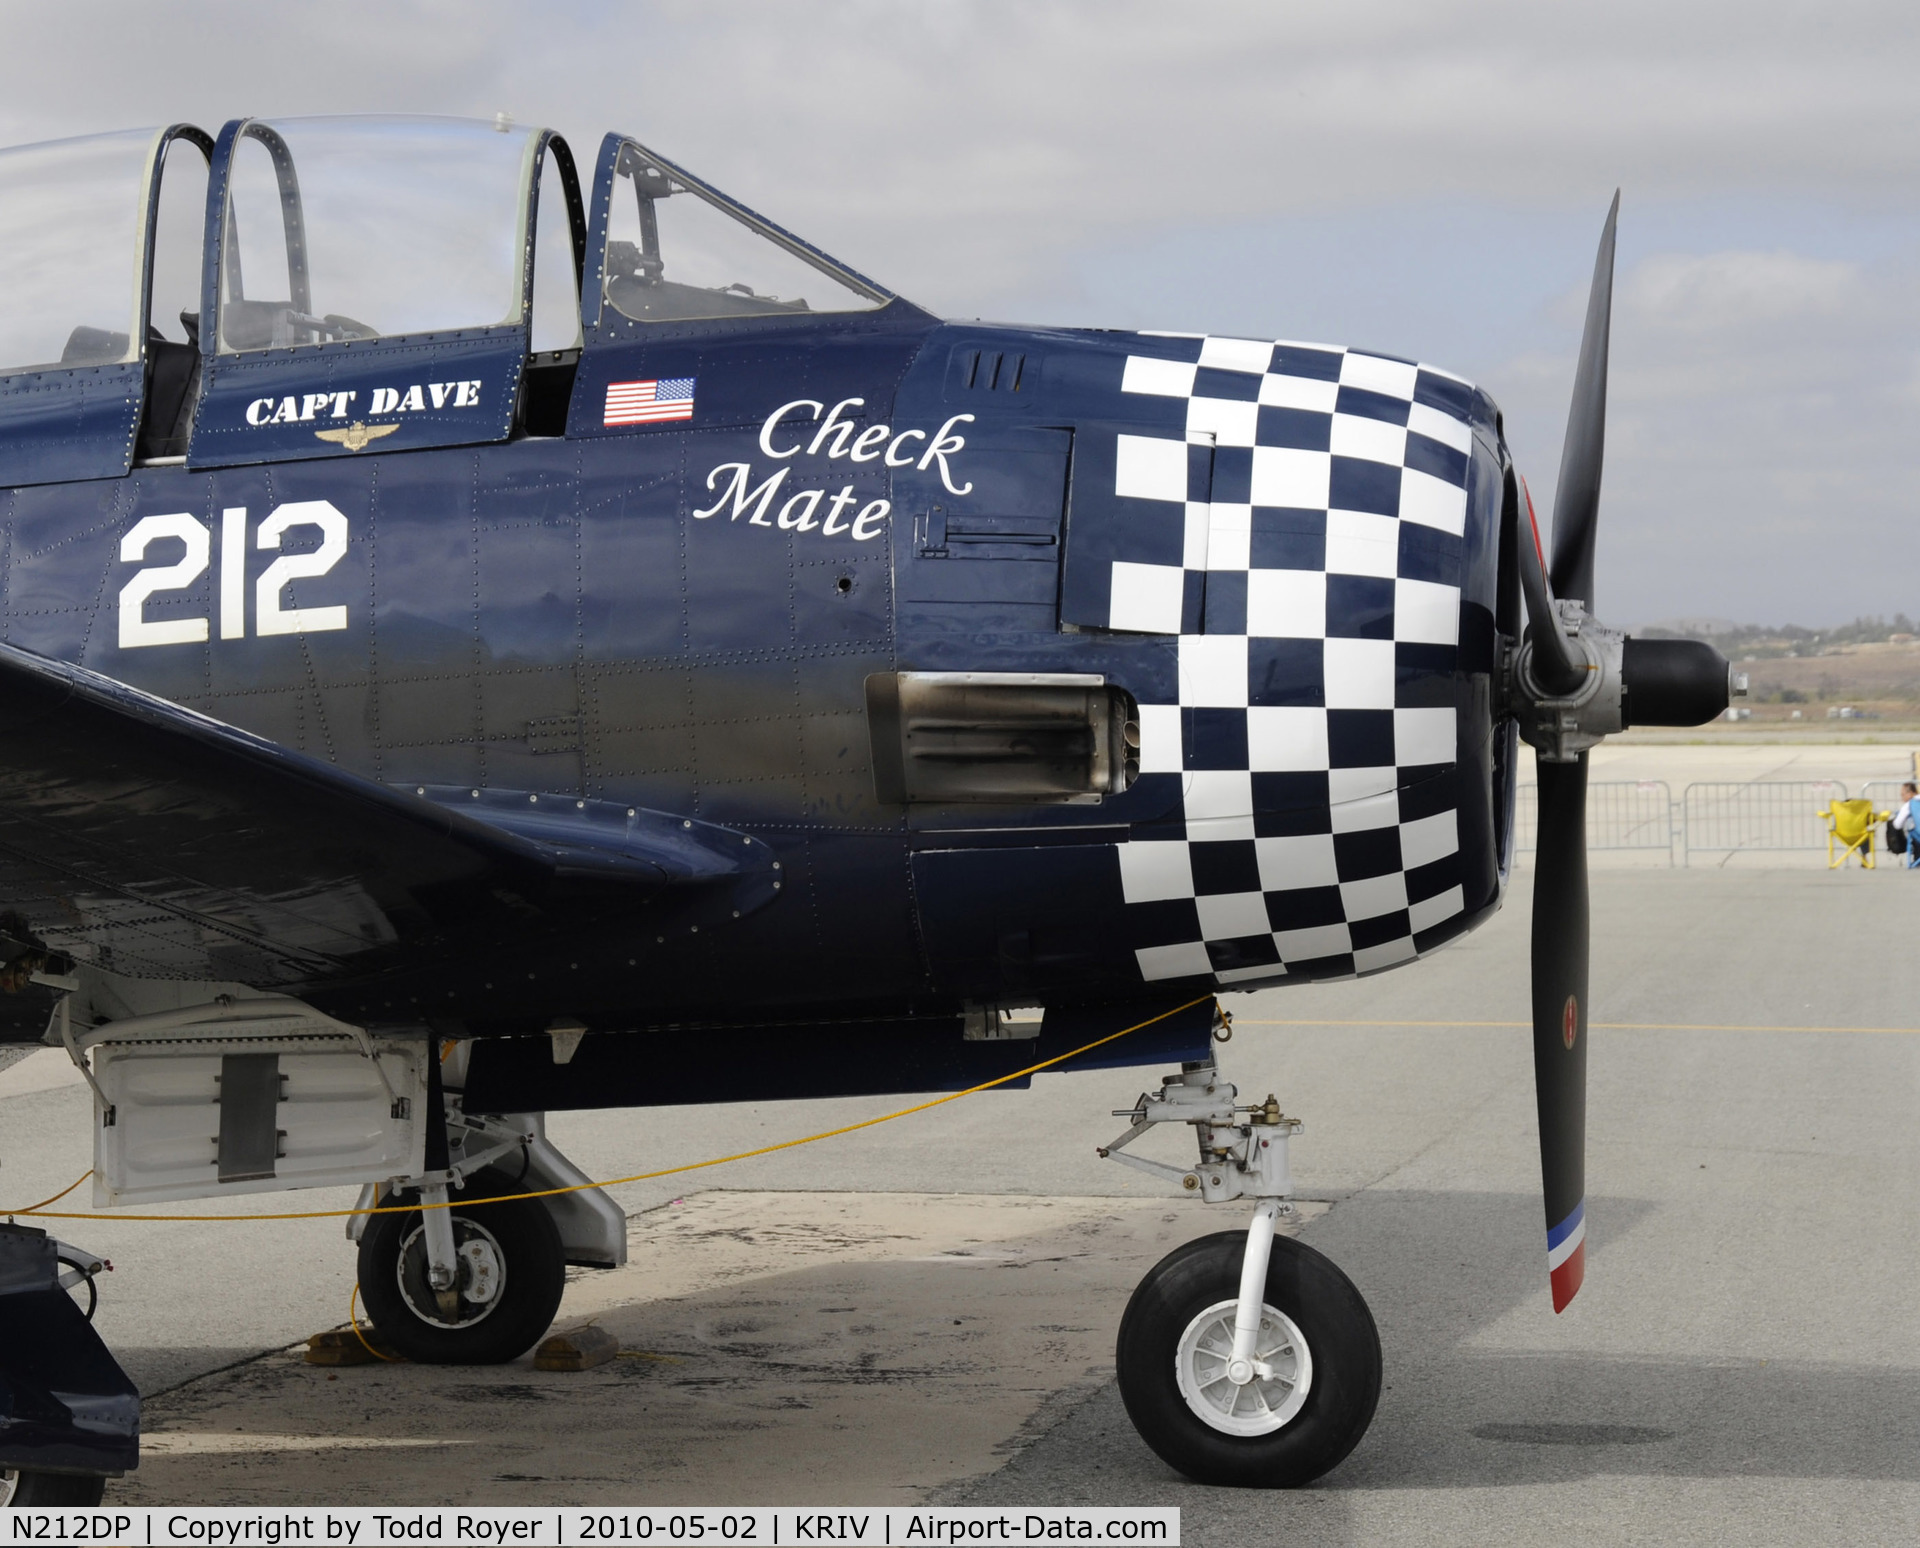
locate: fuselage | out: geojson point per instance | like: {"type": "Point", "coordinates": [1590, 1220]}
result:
{"type": "Point", "coordinates": [684, 616]}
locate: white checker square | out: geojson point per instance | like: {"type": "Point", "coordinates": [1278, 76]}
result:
{"type": "Point", "coordinates": [1219, 805]}
{"type": "Point", "coordinates": [1287, 604]}
{"type": "Point", "coordinates": [1381, 810]}
{"type": "Point", "coordinates": [1213, 670]}
{"type": "Point", "coordinates": [1162, 378]}
{"type": "Point", "coordinates": [1242, 975]}
{"type": "Point", "coordinates": [1229, 915]}
{"type": "Point", "coordinates": [1299, 392]}
{"type": "Point", "coordinates": [1426, 612]}
{"type": "Point", "coordinates": [1223, 421]}
{"type": "Point", "coordinates": [1374, 896]}
{"type": "Point", "coordinates": [1355, 435]}
{"type": "Point", "coordinates": [1230, 537]}
{"type": "Point", "coordinates": [1347, 785]}
{"type": "Point", "coordinates": [1309, 945]}
{"type": "Point", "coordinates": [1423, 736]}
{"type": "Point", "coordinates": [1427, 839]}
{"type": "Point", "coordinates": [1186, 960]}
{"type": "Point", "coordinates": [1285, 475]}
{"type": "Point", "coordinates": [1432, 502]}
{"type": "Point", "coordinates": [1153, 871]}
{"type": "Point", "coordinates": [1393, 378]}
{"type": "Point", "coordinates": [1148, 467]}
{"type": "Point", "coordinates": [1147, 597]}
{"type": "Point", "coordinates": [1160, 740]}
{"type": "Point", "coordinates": [1291, 861]}
{"type": "Point", "coordinates": [1359, 674]}
{"type": "Point", "coordinates": [1250, 355]}
{"type": "Point", "coordinates": [1193, 552]}
{"type": "Point", "coordinates": [1359, 543]}
{"type": "Point", "coordinates": [1371, 959]}
{"type": "Point", "coordinates": [1286, 738]}
{"type": "Point", "coordinates": [1438, 425]}
{"type": "Point", "coordinates": [1429, 912]}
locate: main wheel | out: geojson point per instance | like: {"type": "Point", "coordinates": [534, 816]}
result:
{"type": "Point", "coordinates": [511, 1273]}
{"type": "Point", "coordinates": [1280, 1430]}
{"type": "Point", "coordinates": [25, 1489]}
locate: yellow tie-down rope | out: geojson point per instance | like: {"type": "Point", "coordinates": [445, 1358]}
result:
{"type": "Point", "coordinates": [41, 1211]}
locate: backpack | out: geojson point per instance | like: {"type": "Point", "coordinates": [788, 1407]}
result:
{"type": "Point", "coordinates": [1896, 840]}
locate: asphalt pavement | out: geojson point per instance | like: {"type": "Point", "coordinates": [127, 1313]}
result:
{"type": "Point", "coordinates": [1742, 1365]}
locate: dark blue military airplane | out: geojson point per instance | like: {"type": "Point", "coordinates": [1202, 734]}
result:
{"type": "Point", "coordinates": [471, 650]}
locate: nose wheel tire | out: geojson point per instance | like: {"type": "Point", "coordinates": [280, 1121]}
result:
{"type": "Point", "coordinates": [1315, 1377]}
{"type": "Point", "coordinates": [24, 1489]}
{"type": "Point", "coordinates": [510, 1274]}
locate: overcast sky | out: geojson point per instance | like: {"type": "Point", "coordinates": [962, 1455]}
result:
{"type": "Point", "coordinates": [1426, 177]}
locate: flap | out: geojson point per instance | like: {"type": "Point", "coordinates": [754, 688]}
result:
{"type": "Point", "coordinates": [155, 841]}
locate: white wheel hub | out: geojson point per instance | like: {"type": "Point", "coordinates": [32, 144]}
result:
{"type": "Point", "coordinates": [480, 1276]}
{"type": "Point", "coordinates": [1243, 1397]}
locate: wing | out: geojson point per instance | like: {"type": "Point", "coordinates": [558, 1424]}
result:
{"type": "Point", "coordinates": [157, 842]}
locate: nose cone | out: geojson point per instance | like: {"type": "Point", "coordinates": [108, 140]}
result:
{"type": "Point", "coordinates": [1673, 682]}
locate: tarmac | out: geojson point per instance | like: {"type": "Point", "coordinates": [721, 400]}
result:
{"type": "Point", "coordinates": [924, 1310]}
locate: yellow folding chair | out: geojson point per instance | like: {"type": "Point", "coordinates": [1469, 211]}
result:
{"type": "Point", "coordinates": [1850, 831]}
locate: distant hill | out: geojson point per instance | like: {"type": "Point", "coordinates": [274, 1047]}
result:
{"type": "Point", "coordinates": [1766, 641]}
{"type": "Point", "coordinates": [1871, 664]}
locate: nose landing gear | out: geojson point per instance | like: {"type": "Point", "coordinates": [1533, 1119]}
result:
{"type": "Point", "coordinates": [1248, 1359]}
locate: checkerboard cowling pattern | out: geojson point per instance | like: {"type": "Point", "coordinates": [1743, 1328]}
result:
{"type": "Point", "coordinates": [1320, 501]}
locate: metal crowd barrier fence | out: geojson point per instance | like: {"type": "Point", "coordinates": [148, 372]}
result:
{"type": "Point", "coordinates": [1739, 817]}
{"type": "Point", "coordinates": [1884, 793]}
{"type": "Point", "coordinates": [1734, 816]}
{"type": "Point", "coordinates": [1621, 814]}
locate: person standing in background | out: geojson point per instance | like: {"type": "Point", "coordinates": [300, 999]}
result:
{"type": "Point", "coordinates": [1904, 818]}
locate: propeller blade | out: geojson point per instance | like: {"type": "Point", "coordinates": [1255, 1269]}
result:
{"type": "Point", "coordinates": [1557, 665]}
{"type": "Point", "coordinates": [1576, 499]}
{"type": "Point", "coordinates": [1560, 1017]}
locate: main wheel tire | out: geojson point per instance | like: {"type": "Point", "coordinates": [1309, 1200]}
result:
{"type": "Point", "coordinates": [519, 1237]}
{"type": "Point", "coordinates": [27, 1489]}
{"type": "Point", "coordinates": [1317, 1334]}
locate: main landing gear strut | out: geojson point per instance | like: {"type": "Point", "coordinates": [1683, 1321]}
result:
{"type": "Point", "coordinates": [458, 1283]}
{"type": "Point", "coordinates": [1244, 1358]}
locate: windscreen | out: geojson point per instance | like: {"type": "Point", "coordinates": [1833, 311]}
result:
{"type": "Point", "coordinates": [674, 253]}
{"type": "Point", "coordinates": [350, 228]}
{"type": "Point", "coordinates": [70, 250]}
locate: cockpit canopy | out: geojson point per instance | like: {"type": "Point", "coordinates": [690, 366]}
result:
{"type": "Point", "coordinates": [72, 230]}
{"type": "Point", "coordinates": [326, 230]}
{"type": "Point", "coordinates": [676, 251]}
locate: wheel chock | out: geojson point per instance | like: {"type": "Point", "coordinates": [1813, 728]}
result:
{"type": "Point", "coordinates": [343, 1346]}
{"type": "Point", "coordinates": [580, 1350]}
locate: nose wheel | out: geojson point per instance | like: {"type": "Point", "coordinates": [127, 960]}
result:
{"type": "Point", "coordinates": [503, 1270]}
{"type": "Point", "coordinates": [1279, 1418]}
{"type": "Point", "coordinates": [1244, 1358]}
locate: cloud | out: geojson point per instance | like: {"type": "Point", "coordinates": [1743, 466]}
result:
{"type": "Point", "coordinates": [1759, 453]}
{"type": "Point", "coordinates": [1425, 176]}
{"type": "Point", "coordinates": [1708, 294]}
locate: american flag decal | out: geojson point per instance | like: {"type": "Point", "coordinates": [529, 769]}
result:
{"type": "Point", "coordinates": [645, 403]}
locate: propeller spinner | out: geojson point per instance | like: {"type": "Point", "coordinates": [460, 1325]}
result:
{"type": "Point", "coordinates": [1571, 682]}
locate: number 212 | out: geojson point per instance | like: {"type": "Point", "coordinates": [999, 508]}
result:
{"type": "Point", "coordinates": [269, 616]}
